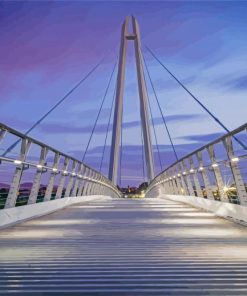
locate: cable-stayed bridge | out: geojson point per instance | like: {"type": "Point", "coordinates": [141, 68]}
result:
{"type": "Point", "coordinates": [78, 235]}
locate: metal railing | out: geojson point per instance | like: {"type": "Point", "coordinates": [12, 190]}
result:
{"type": "Point", "coordinates": [73, 178]}
{"type": "Point", "coordinates": [216, 171]}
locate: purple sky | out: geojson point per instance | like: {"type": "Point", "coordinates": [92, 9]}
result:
{"type": "Point", "coordinates": [46, 47]}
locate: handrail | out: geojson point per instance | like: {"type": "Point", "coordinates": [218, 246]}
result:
{"type": "Point", "coordinates": [182, 177]}
{"type": "Point", "coordinates": [83, 180]}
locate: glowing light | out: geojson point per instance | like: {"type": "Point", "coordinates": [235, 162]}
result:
{"type": "Point", "coordinates": [235, 159]}
{"type": "Point", "coordinates": [179, 175]}
{"type": "Point", "coordinates": [17, 161]}
{"type": "Point", "coordinates": [214, 165]}
{"type": "Point", "coordinates": [65, 172]}
{"type": "Point", "coordinates": [73, 174]}
{"type": "Point", "coordinates": [39, 166]}
{"type": "Point", "coordinates": [184, 173]}
{"type": "Point", "coordinates": [200, 168]}
{"type": "Point", "coordinates": [192, 171]}
{"type": "Point", "coordinates": [54, 170]}
{"type": "Point", "coordinates": [225, 188]}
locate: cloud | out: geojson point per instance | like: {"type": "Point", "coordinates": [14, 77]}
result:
{"type": "Point", "coordinates": [202, 138]}
{"type": "Point", "coordinates": [239, 83]}
{"type": "Point", "coordinates": [101, 128]}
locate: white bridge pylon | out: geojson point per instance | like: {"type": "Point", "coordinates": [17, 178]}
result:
{"type": "Point", "coordinates": [127, 36]}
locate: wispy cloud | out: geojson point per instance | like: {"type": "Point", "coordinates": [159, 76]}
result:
{"type": "Point", "coordinates": [101, 128]}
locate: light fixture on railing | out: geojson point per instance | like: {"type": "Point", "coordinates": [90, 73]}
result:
{"type": "Point", "coordinates": [54, 169]}
{"type": "Point", "coordinates": [235, 159]}
{"type": "Point", "coordinates": [191, 171]}
{"type": "Point", "coordinates": [65, 172]}
{"type": "Point", "coordinates": [214, 165]}
{"type": "Point", "coordinates": [73, 174]}
{"type": "Point", "coordinates": [200, 168]}
{"type": "Point", "coordinates": [80, 176]}
{"type": "Point", "coordinates": [179, 175]}
{"type": "Point", "coordinates": [184, 173]}
{"type": "Point", "coordinates": [39, 166]}
{"type": "Point", "coordinates": [17, 161]}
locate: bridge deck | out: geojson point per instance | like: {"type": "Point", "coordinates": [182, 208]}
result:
{"type": "Point", "coordinates": [125, 247]}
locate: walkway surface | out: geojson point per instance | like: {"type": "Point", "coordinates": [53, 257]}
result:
{"type": "Point", "coordinates": [125, 247]}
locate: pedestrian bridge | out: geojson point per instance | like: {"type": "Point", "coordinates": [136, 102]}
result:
{"type": "Point", "coordinates": [116, 246]}
{"type": "Point", "coordinates": [66, 229]}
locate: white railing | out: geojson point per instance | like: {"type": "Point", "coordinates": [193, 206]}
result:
{"type": "Point", "coordinates": [216, 171]}
{"type": "Point", "coordinates": [64, 175]}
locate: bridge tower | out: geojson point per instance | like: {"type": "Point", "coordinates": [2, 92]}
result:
{"type": "Point", "coordinates": [127, 36]}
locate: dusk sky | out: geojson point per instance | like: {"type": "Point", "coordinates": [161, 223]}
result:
{"type": "Point", "coordinates": [47, 47]}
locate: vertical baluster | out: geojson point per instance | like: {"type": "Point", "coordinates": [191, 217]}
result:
{"type": "Point", "coordinates": [204, 175]}
{"type": "Point", "coordinates": [37, 179]}
{"type": "Point", "coordinates": [77, 180]}
{"type": "Point", "coordinates": [90, 185]}
{"type": "Point", "coordinates": [64, 174]}
{"type": "Point", "coordinates": [96, 191]}
{"type": "Point", "coordinates": [195, 177]}
{"type": "Point", "coordinates": [241, 191]}
{"type": "Point", "coordinates": [187, 176]}
{"type": "Point", "coordinates": [184, 189]}
{"type": "Point", "coordinates": [82, 181]}
{"type": "Point", "coordinates": [54, 172]}
{"type": "Point", "coordinates": [178, 182]}
{"type": "Point", "coordinates": [86, 183]}
{"type": "Point", "coordinates": [174, 183]}
{"type": "Point", "coordinates": [71, 179]}
{"type": "Point", "coordinates": [217, 173]}
{"type": "Point", "coordinates": [14, 187]}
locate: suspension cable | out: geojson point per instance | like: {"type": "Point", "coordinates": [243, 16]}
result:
{"type": "Point", "coordinates": [162, 115]}
{"type": "Point", "coordinates": [100, 109]}
{"type": "Point", "coordinates": [194, 97]}
{"type": "Point", "coordinates": [11, 147]}
{"type": "Point", "coordinates": [107, 130]}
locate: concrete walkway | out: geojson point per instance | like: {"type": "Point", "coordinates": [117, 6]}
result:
{"type": "Point", "coordinates": [125, 247]}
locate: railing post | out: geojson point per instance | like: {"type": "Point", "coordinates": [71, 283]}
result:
{"type": "Point", "coordinates": [171, 187]}
{"type": "Point", "coordinates": [186, 185]}
{"type": "Point", "coordinates": [184, 190]}
{"type": "Point", "coordinates": [93, 184]}
{"type": "Point", "coordinates": [71, 179]}
{"type": "Point", "coordinates": [54, 172]}
{"type": "Point", "coordinates": [13, 191]}
{"type": "Point", "coordinates": [217, 173]}
{"type": "Point", "coordinates": [241, 191]}
{"type": "Point", "coordinates": [62, 179]}
{"type": "Point", "coordinates": [189, 183]}
{"type": "Point", "coordinates": [101, 189]}
{"type": "Point", "coordinates": [195, 177]}
{"type": "Point", "coordinates": [88, 185]}
{"type": "Point", "coordinates": [86, 182]}
{"type": "Point", "coordinates": [77, 180]}
{"type": "Point", "coordinates": [36, 183]}
{"type": "Point", "coordinates": [97, 185]}
{"type": "Point", "coordinates": [179, 185]}
{"type": "Point", "coordinates": [174, 183]}
{"type": "Point", "coordinates": [82, 181]}
{"type": "Point", "coordinates": [204, 176]}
